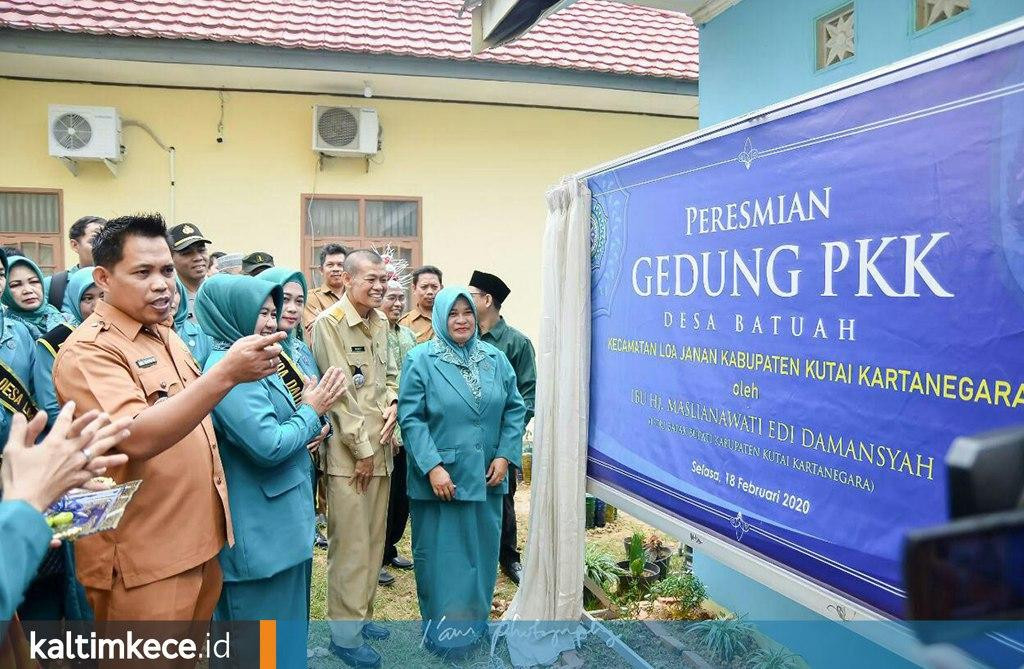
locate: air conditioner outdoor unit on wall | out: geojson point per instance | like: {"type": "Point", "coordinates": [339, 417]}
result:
{"type": "Point", "coordinates": [85, 133]}
{"type": "Point", "coordinates": [345, 131]}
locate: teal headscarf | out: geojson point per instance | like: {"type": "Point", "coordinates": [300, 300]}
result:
{"type": "Point", "coordinates": [466, 357]}
{"type": "Point", "coordinates": [228, 305]}
{"type": "Point", "coordinates": [78, 283]}
{"type": "Point", "coordinates": [42, 318]}
{"type": "Point", "coordinates": [181, 315]}
{"type": "Point", "coordinates": [281, 276]}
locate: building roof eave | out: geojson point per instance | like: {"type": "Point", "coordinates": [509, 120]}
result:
{"type": "Point", "coordinates": [204, 52]}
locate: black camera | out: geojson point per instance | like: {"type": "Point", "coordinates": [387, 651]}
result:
{"type": "Point", "coordinates": [972, 569]}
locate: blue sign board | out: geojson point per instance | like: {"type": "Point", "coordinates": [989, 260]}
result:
{"type": "Point", "coordinates": [794, 320]}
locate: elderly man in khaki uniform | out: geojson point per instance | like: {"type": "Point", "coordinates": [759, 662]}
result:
{"type": "Point", "coordinates": [352, 335]}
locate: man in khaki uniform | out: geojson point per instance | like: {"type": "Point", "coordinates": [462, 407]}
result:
{"type": "Point", "coordinates": [161, 561]}
{"type": "Point", "coordinates": [352, 335]}
{"type": "Point", "coordinates": [426, 283]}
{"type": "Point", "coordinates": [332, 269]}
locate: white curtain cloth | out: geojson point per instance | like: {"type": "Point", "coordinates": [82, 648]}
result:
{"type": "Point", "coordinates": [552, 583]}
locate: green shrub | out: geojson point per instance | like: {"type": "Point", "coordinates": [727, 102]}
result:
{"type": "Point", "coordinates": [771, 658]}
{"type": "Point", "coordinates": [724, 640]}
{"type": "Point", "coordinates": [682, 585]}
{"type": "Point", "coordinates": [601, 568]}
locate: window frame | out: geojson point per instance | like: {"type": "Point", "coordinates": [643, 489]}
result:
{"type": "Point", "coordinates": [56, 238]}
{"type": "Point", "coordinates": [309, 264]}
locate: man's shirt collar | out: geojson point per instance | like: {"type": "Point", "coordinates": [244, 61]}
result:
{"type": "Point", "coordinates": [111, 315]}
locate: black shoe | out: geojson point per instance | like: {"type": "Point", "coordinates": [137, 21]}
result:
{"type": "Point", "coordinates": [320, 541]}
{"type": "Point", "coordinates": [385, 577]}
{"type": "Point", "coordinates": [399, 562]}
{"type": "Point", "coordinates": [513, 570]}
{"type": "Point", "coordinates": [361, 657]}
{"type": "Point", "coordinates": [375, 632]}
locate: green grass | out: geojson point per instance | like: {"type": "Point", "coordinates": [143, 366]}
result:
{"type": "Point", "coordinates": [398, 602]}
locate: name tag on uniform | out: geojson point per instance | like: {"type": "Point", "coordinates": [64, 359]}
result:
{"type": "Point", "coordinates": [359, 349]}
{"type": "Point", "coordinates": [143, 363]}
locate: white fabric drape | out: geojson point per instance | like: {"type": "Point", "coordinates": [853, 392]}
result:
{"type": "Point", "coordinates": [552, 580]}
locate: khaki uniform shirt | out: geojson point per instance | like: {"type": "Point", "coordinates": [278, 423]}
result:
{"type": "Point", "coordinates": [317, 300]}
{"type": "Point", "coordinates": [178, 518]}
{"type": "Point", "coordinates": [421, 325]}
{"type": "Point", "coordinates": [343, 339]}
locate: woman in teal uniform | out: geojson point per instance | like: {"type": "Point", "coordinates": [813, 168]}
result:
{"type": "Point", "coordinates": [262, 433]}
{"type": "Point", "coordinates": [56, 594]}
{"type": "Point", "coordinates": [17, 358]}
{"type": "Point", "coordinates": [462, 424]}
{"type": "Point", "coordinates": [80, 299]}
{"type": "Point", "coordinates": [198, 342]}
{"type": "Point", "coordinates": [293, 285]}
{"type": "Point", "coordinates": [299, 361]}
{"type": "Point", "coordinates": [25, 300]}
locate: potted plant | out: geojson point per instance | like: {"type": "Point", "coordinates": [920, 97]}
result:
{"type": "Point", "coordinates": [658, 553]}
{"type": "Point", "coordinates": [600, 567]}
{"type": "Point", "coordinates": [640, 573]}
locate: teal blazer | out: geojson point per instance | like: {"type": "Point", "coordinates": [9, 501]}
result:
{"type": "Point", "coordinates": [18, 351]}
{"type": "Point", "coordinates": [198, 342]}
{"type": "Point", "coordinates": [303, 357]}
{"type": "Point", "coordinates": [262, 440]}
{"type": "Point", "coordinates": [42, 380]}
{"type": "Point", "coordinates": [442, 423]}
{"type": "Point", "coordinates": [26, 540]}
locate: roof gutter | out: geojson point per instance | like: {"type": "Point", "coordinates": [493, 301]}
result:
{"type": "Point", "coordinates": [205, 52]}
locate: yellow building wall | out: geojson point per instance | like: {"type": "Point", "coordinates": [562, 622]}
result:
{"type": "Point", "coordinates": [481, 170]}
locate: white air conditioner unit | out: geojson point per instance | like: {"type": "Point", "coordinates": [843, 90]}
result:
{"type": "Point", "coordinates": [345, 131]}
{"type": "Point", "coordinates": [85, 133]}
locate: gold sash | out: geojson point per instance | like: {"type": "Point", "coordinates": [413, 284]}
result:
{"type": "Point", "coordinates": [14, 396]}
{"type": "Point", "coordinates": [293, 378]}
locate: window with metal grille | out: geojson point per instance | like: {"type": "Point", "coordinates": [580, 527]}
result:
{"type": "Point", "coordinates": [31, 220]}
{"type": "Point", "coordinates": [835, 37]}
{"type": "Point", "coordinates": [928, 13]}
{"type": "Point", "coordinates": [360, 222]}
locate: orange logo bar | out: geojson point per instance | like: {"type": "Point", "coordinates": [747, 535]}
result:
{"type": "Point", "coordinates": [268, 644]}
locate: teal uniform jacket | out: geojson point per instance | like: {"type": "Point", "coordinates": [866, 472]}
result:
{"type": "Point", "coordinates": [17, 351]}
{"type": "Point", "coordinates": [262, 439]}
{"type": "Point", "coordinates": [198, 342]}
{"type": "Point", "coordinates": [26, 538]}
{"type": "Point", "coordinates": [443, 424]}
{"type": "Point", "coordinates": [302, 356]}
{"type": "Point", "coordinates": [262, 442]}
{"type": "Point", "coordinates": [48, 345]}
